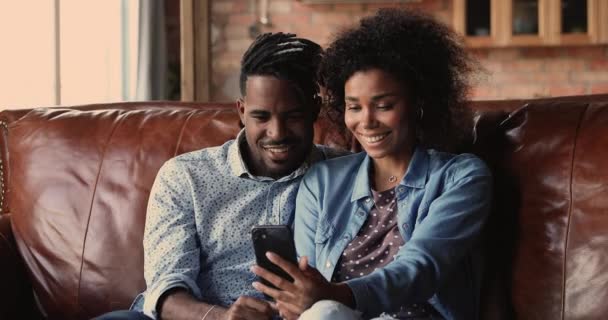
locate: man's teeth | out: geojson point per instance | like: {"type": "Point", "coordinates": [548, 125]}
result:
{"type": "Point", "coordinates": [372, 139]}
{"type": "Point", "coordinates": [277, 149]}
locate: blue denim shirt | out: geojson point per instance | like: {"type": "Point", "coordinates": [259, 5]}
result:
{"type": "Point", "coordinates": [443, 202]}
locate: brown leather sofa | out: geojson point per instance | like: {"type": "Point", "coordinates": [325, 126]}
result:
{"type": "Point", "coordinates": [75, 183]}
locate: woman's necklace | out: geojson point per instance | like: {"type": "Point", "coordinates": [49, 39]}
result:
{"type": "Point", "coordinates": [392, 179]}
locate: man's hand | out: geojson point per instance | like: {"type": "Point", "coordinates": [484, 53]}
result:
{"type": "Point", "coordinates": [178, 304]}
{"type": "Point", "coordinates": [309, 286]}
{"type": "Point", "coordinates": [249, 308]}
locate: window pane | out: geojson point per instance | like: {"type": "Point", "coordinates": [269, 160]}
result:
{"type": "Point", "coordinates": [574, 16]}
{"type": "Point", "coordinates": [90, 51]}
{"type": "Point", "coordinates": [27, 57]}
{"type": "Point", "coordinates": [478, 17]}
{"type": "Point", "coordinates": [525, 17]}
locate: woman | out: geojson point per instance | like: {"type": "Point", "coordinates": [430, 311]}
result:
{"type": "Point", "coordinates": [393, 231]}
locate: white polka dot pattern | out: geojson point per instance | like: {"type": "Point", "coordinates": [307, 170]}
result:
{"type": "Point", "coordinates": [377, 242]}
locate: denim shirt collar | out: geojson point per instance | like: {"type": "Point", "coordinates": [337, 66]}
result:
{"type": "Point", "coordinates": [415, 177]}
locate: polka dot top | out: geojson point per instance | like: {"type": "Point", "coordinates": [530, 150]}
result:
{"type": "Point", "coordinates": [377, 242]}
{"type": "Point", "coordinates": [375, 245]}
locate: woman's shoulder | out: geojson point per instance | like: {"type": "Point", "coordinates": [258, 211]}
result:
{"type": "Point", "coordinates": [457, 164]}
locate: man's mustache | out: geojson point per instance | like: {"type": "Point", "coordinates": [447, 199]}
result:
{"type": "Point", "coordinates": [275, 143]}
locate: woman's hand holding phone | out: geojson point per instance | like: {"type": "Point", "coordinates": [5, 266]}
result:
{"type": "Point", "coordinates": [308, 287]}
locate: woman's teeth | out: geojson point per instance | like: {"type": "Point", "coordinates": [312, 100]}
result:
{"type": "Point", "coordinates": [372, 139]}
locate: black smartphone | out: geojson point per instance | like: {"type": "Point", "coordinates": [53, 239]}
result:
{"type": "Point", "coordinates": [275, 238]}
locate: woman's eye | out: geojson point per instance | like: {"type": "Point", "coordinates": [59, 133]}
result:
{"type": "Point", "coordinates": [353, 107]}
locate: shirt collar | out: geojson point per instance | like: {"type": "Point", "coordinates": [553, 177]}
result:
{"type": "Point", "coordinates": [417, 171]}
{"type": "Point", "coordinates": [415, 176]}
{"type": "Point", "coordinates": [238, 167]}
{"type": "Point", "coordinates": [235, 157]}
{"type": "Point", "coordinates": [362, 186]}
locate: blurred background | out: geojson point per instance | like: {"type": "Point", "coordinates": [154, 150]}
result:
{"type": "Point", "coordinates": [69, 52]}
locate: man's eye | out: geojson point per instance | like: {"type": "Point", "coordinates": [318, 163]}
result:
{"type": "Point", "coordinates": [384, 107]}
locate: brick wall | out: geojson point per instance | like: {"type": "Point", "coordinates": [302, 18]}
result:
{"type": "Point", "coordinates": [510, 72]}
{"type": "Point", "coordinates": [541, 72]}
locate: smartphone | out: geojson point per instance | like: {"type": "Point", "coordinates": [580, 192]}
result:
{"type": "Point", "coordinates": [278, 239]}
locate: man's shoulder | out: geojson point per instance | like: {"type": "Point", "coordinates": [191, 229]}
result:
{"type": "Point", "coordinates": [202, 158]}
{"type": "Point", "coordinates": [209, 153]}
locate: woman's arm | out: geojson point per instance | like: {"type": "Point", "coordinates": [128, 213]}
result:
{"type": "Point", "coordinates": [309, 285]}
{"type": "Point", "coordinates": [306, 218]}
{"type": "Point", "coordinates": [448, 233]}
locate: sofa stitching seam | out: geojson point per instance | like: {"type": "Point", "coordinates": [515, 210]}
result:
{"type": "Point", "coordinates": [569, 217]}
{"type": "Point", "coordinates": [86, 231]}
{"type": "Point", "coordinates": [181, 132]}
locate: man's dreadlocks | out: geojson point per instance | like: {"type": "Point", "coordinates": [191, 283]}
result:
{"type": "Point", "coordinates": [287, 57]}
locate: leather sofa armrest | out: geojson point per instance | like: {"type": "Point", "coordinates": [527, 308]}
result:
{"type": "Point", "coordinates": [16, 298]}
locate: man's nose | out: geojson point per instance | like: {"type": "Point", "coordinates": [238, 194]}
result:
{"type": "Point", "coordinates": [276, 129]}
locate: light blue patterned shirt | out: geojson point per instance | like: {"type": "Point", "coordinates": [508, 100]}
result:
{"type": "Point", "coordinates": [202, 207]}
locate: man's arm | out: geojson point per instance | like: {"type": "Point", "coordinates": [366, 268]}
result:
{"type": "Point", "coordinates": [172, 256]}
{"type": "Point", "coordinates": [171, 250]}
{"type": "Point", "coordinates": [178, 304]}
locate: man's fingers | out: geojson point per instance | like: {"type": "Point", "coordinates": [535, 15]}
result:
{"type": "Point", "coordinates": [258, 305]}
{"type": "Point", "coordinates": [273, 305]}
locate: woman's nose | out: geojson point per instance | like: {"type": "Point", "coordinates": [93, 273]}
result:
{"type": "Point", "coordinates": [369, 118]}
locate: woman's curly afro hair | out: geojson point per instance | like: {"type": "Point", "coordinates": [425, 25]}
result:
{"type": "Point", "coordinates": [422, 53]}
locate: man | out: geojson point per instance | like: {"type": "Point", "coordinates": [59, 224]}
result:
{"type": "Point", "coordinates": [204, 203]}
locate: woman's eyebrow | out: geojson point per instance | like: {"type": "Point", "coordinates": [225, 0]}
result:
{"type": "Point", "coordinates": [374, 98]}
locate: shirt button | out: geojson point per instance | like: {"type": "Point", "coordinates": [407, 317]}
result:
{"type": "Point", "coordinates": [328, 264]}
{"type": "Point", "coordinates": [367, 200]}
{"type": "Point", "coordinates": [361, 213]}
{"type": "Point", "coordinates": [401, 189]}
{"type": "Point", "coordinates": [405, 226]}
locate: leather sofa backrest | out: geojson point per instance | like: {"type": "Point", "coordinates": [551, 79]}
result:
{"type": "Point", "coordinates": [556, 159]}
{"type": "Point", "coordinates": [77, 182]}
{"type": "Point", "coordinates": [546, 240]}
